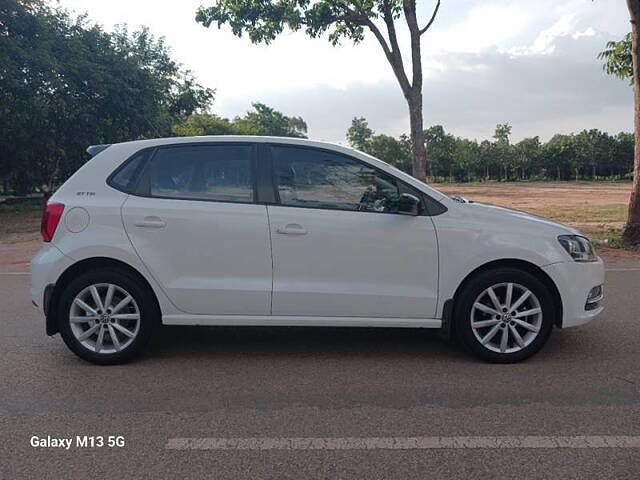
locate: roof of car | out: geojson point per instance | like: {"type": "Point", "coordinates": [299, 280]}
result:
{"type": "Point", "coordinates": [239, 138]}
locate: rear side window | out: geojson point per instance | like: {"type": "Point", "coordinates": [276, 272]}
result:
{"type": "Point", "coordinates": [203, 172]}
{"type": "Point", "coordinates": [125, 177]}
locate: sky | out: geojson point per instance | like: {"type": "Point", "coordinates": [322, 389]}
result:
{"type": "Point", "coordinates": [531, 63]}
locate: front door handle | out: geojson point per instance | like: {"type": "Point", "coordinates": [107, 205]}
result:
{"type": "Point", "coordinates": [151, 222]}
{"type": "Point", "coordinates": [292, 229]}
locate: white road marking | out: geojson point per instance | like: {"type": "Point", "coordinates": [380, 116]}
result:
{"type": "Point", "coordinates": [405, 443]}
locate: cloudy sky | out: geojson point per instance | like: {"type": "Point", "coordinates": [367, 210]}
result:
{"type": "Point", "coordinates": [531, 63]}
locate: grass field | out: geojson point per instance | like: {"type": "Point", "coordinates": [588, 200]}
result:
{"type": "Point", "coordinates": [597, 208]}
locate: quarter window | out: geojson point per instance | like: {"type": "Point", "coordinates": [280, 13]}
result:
{"type": "Point", "coordinates": [319, 179]}
{"type": "Point", "coordinates": [203, 172]}
{"type": "Point", "coordinates": [124, 179]}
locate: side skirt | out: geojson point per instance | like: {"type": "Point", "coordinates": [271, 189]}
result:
{"type": "Point", "coordinates": [293, 321]}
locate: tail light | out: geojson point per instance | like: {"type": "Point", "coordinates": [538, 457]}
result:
{"type": "Point", "coordinates": [50, 218]}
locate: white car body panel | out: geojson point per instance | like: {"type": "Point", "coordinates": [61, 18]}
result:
{"type": "Point", "coordinates": [210, 257]}
{"type": "Point", "coordinates": [353, 264]}
{"type": "Point", "coordinates": [367, 289]}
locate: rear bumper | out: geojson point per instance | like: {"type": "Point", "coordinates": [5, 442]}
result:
{"type": "Point", "coordinates": [46, 267]}
{"type": "Point", "coordinates": [574, 281]}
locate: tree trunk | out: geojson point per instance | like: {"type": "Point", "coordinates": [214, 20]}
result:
{"type": "Point", "coordinates": [418, 147]}
{"type": "Point", "coordinates": [577, 170]}
{"type": "Point", "coordinates": [558, 177]}
{"type": "Point", "coordinates": [632, 229]}
{"type": "Point", "coordinates": [412, 90]}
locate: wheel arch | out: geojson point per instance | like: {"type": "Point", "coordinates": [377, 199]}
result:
{"type": "Point", "coordinates": [93, 263]}
{"type": "Point", "coordinates": [521, 265]}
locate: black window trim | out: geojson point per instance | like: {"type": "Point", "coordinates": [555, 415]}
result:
{"type": "Point", "coordinates": [142, 184]}
{"type": "Point", "coordinates": [403, 187]}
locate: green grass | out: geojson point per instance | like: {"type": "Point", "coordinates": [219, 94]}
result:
{"type": "Point", "coordinates": [583, 213]}
{"type": "Point", "coordinates": [27, 205]}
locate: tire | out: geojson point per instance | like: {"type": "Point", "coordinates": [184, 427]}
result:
{"type": "Point", "coordinates": [527, 325]}
{"type": "Point", "coordinates": [78, 312]}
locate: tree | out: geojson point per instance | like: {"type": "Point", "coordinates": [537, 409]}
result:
{"type": "Point", "coordinates": [396, 152]}
{"type": "Point", "coordinates": [622, 161]}
{"type": "Point", "coordinates": [503, 148]}
{"type": "Point", "coordinates": [263, 120]}
{"type": "Point", "coordinates": [263, 21]}
{"type": "Point", "coordinates": [203, 124]}
{"type": "Point", "coordinates": [617, 58]}
{"type": "Point", "coordinates": [67, 84]}
{"type": "Point", "coordinates": [619, 62]}
{"type": "Point", "coordinates": [359, 134]}
{"type": "Point", "coordinates": [268, 121]}
{"type": "Point", "coordinates": [466, 156]}
{"type": "Point", "coordinates": [441, 147]}
{"type": "Point", "coordinates": [527, 152]}
{"type": "Point", "coordinates": [559, 153]}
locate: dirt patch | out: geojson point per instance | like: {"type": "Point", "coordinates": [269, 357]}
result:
{"type": "Point", "coordinates": [619, 257]}
{"type": "Point", "coordinates": [16, 251]}
{"type": "Point", "coordinates": [540, 195]}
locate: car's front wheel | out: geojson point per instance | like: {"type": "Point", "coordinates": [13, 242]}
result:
{"type": "Point", "coordinates": [504, 315]}
{"type": "Point", "coordinates": [106, 317]}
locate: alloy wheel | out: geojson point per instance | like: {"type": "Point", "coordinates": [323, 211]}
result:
{"type": "Point", "coordinates": [506, 317]}
{"type": "Point", "coordinates": [104, 318]}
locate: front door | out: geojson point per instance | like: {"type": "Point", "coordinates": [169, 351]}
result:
{"type": "Point", "coordinates": [340, 248]}
{"type": "Point", "coordinates": [199, 232]}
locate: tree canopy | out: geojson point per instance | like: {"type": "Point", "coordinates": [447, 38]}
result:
{"type": "Point", "coordinates": [587, 155]}
{"type": "Point", "coordinates": [617, 58]}
{"type": "Point", "coordinates": [263, 120]}
{"type": "Point", "coordinates": [66, 84]}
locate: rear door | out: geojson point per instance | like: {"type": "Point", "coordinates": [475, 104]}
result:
{"type": "Point", "coordinates": [340, 248]}
{"type": "Point", "coordinates": [196, 226]}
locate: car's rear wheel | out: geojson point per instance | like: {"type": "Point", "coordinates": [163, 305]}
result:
{"type": "Point", "coordinates": [106, 317]}
{"type": "Point", "coordinates": [504, 315]}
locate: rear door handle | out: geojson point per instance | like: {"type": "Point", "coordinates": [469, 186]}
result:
{"type": "Point", "coordinates": [151, 222]}
{"type": "Point", "coordinates": [292, 229]}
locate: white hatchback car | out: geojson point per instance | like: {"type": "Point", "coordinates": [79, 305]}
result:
{"type": "Point", "coordinates": [281, 231]}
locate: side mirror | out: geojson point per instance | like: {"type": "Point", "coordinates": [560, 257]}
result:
{"type": "Point", "coordinates": [408, 204]}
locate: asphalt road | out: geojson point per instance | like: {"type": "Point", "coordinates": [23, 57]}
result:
{"type": "Point", "coordinates": [358, 392]}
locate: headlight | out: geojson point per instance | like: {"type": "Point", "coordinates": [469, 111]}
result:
{"type": "Point", "coordinates": [578, 247]}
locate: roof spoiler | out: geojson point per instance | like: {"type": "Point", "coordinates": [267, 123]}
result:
{"type": "Point", "coordinates": [93, 150]}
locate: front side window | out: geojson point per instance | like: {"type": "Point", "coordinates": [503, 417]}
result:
{"type": "Point", "coordinates": [313, 178]}
{"type": "Point", "coordinates": [202, 172]}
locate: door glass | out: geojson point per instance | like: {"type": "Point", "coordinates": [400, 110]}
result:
{"type": "Point", "coordinates": [319, 179]}
{"type": "Point", "coordinates": [203, 172]}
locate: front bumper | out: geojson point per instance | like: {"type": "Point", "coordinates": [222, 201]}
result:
{"type": "Point", "coordinates": [574, 281]}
